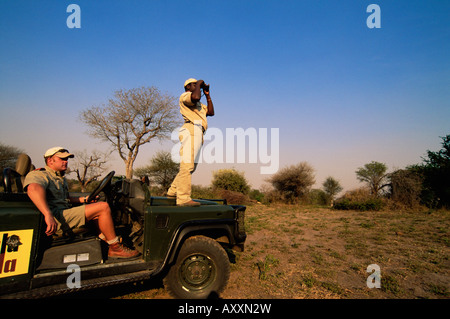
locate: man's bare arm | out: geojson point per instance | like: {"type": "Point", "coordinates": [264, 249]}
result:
{"type": "Point", "coordinates": [38, 196]}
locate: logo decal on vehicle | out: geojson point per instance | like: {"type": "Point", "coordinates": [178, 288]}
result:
{"type": "Point", "coordinates": [15, 249]}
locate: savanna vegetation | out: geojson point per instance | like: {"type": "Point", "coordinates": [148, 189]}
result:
{"type": "Point", "coordinates": [322, 243]}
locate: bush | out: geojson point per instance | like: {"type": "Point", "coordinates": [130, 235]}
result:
{"type": "Point", "coordinates": [231, 180]}
{"type": "Point", "coordinates": [318, 197]}
{"type": "Point", "coordinates": [359, 199]}
{"type": "Point", "coordinates": [374, 204]}
{"type": "Point", "coordinates": [273, 196]}
{"type": "Point", "coordinates": [406, 187]}
{"type": "Point", "coordinates": [198, 191]}
{"type": "Point", "coordinates": [257, 195]}
{"type": "Point", "coordinates": [293, 182]}
{"type": "Point", "coordinates": [359, 194]}
{"type": "Point", "coordinates": [232, 197]}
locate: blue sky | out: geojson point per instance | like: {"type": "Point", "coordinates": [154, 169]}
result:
{"type": "Point", "coordinates": [340, 93]}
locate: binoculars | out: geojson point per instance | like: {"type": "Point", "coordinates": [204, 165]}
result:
{"type": "Point", "coordinates": [205, 87]}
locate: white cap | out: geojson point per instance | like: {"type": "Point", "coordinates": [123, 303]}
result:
{"type": "Point", "coordinates": [58, 151]}
{"type": "Point", "coordinates": [189, 81]}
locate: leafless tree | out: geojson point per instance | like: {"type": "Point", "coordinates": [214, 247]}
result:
{"type": "Point", "coordinates": [8, 155]}
{"type": "Point", "coordinates": [130, 119]}
{"type": "Point", "coordinates": [89, 167]}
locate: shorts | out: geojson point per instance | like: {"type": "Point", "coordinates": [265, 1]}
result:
{"type": "Point", "coordinates": [70, 218]}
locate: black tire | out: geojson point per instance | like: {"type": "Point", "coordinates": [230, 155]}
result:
{"type": "Point", "coordinates": [202, 270]}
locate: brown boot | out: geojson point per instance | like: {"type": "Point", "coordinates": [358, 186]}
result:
{"type": "Point", "coordinates": [118, 250]}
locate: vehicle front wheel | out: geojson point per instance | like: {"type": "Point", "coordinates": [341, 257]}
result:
{"type": "Point", "coordinates": [202, 269]}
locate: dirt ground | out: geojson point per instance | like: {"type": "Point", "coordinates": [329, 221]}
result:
{"type": "Point", "coordinates": [298, 252]}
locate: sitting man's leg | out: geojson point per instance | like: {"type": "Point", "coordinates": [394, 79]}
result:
{"type": "Point", "coordinates": [101, 213]}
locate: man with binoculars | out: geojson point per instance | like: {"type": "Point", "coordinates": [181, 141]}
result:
{"type": "Point", "coordinates": [191, 137]}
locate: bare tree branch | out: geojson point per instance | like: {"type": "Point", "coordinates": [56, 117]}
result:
{"type": "Point", "coordinates": [131, 119]}
{"type": "Point", "coordinates": [89, 167]}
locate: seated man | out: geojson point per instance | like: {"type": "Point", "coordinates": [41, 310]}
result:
{"type": "Point", "coordinates": [47, 188]}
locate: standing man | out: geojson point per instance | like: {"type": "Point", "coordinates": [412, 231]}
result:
{"type": "Point", "coordinates": [191, 137]}
{"type": "Point", "coordinates": [48, 190]}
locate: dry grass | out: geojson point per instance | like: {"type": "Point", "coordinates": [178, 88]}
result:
{"type": "Point", "coordinates": [303, 252]}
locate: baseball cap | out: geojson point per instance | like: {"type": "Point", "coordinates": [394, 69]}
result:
{"type": "Point", "coordinates": [188, 81]}
{"type": "Point", "coordinates": [59, 151]}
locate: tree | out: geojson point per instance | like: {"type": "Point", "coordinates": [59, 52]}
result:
{"type": "Point", "coordinates": [89, 167]}
{"type": "Point", "coordinates": [230, 180]}
{"type": "Point", "coordinates": [294, 181]}
{"type": "Point", "coordinates": [406, 186]}
{"type": "Point", "coordinates": [162, 170]}
{"type": "Point", "coordinates": [131, 119]}
{"type": "Point", "coordinates": [374, 174]}
{"type": "Point", "coordinates": [436, 173]}
{"type": "Point", "coordinates": [331, 188]}
{"type": "Point", "coordinates": [8, 156]}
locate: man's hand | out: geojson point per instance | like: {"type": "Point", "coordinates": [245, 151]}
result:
{"type": "Point", "coordinates": [205, 88]}
{"type": "Point", "coordinates": [94, 200]}
{"type": "Point", "coordinates": [52, 226]}
{"type": "Point", "coordinates": [210, 111]}
{"type": "Point", "coordinates": [83, 199]}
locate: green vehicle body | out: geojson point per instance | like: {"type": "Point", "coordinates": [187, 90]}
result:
{"type": "Point", "coordinates": [38, 266]}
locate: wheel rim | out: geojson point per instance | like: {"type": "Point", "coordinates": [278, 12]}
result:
{"type": "Point", "coordinates": [197, 272]}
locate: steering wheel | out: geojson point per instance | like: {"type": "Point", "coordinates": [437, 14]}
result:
{"type": "Point", "coordinates": [103, 184]}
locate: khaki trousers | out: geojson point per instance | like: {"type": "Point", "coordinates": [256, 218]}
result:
{"type": "Point", "coordinates": [191, 138]}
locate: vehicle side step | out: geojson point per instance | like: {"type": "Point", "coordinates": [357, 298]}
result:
{"type": "Point", "coordinates": [46, 292]}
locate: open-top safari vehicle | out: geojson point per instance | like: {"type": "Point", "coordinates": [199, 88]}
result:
{"type": "Point", "coordinates": [187, 246]}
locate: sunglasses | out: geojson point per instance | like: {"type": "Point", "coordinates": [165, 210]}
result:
{"type": "Point", "coordinates": [62, 150]}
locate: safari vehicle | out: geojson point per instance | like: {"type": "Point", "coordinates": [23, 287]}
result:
{"type": "Point", "coordinates": [186, 246]}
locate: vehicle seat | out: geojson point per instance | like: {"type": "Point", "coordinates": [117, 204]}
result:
{"type": "Point", "coordinates": [23, 165]}
{"type": "Point", "coordinates": [17, 176]}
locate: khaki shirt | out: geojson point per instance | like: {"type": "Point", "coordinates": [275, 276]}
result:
{"type": "Point", "coordinates": [193, 112]}
{"type": "Point", "coordinates": [55, 186]}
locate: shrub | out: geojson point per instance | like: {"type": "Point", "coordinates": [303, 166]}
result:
{"type": "Point", "coordinates": [257, 195]}
{"type": "Point", "coordinates": [233, 197]}
{"type": "Point", "coordinates": [359, 199]}
{"type": "Point", "coordinates": [273, 196]}
{"type": "Point", "coordinates": [203, 192]}
{"type": "Point", "coordinates": [359, 194]}
{"type": "Point", "coordinates": [231, 180]}
{"type": "Point", "coordinates": [215, 193]}
{"type": "Point", "coordinates": [406, 187]}
{"type": "Point", "coordinates": [374, 204]}
{"type": "Point", "coordinates": [293, 182]}
{"type": "Point", "coordinates": [318, 197]}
